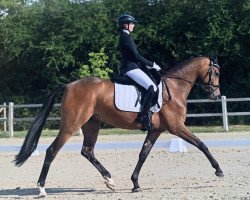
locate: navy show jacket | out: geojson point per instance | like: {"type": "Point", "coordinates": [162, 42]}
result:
{"type": "Point", "coordinates": [131, 58]}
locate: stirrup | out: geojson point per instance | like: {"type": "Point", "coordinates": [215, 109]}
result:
{"type": "Point", "coordinates": [146, 122]}
{"type": "Point", "coordinates": [147, 127]}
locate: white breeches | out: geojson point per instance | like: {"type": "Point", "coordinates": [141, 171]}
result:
{"type": "Point", "coordinates": [141, 78]}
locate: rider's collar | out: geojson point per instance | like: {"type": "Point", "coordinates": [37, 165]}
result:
{"type": "Point", "coordinates": [125, 31]}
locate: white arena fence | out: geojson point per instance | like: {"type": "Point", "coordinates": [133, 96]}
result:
{"type": "Point", "coordinates": [8, 119]}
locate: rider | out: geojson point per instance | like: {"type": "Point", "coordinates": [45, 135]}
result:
{"type": "Point", "coordinates": [132, 64]}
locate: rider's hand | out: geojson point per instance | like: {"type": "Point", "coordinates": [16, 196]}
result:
{"type": "Point", "coordinates": [156, 67]}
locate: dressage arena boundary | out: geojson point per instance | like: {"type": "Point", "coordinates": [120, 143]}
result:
{"type": "Point", "coordinates": [173, 145]}
{"type": "Point", "coordinates": [9, 119]}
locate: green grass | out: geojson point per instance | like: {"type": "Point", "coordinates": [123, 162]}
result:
{"type": "Point", "coordinates": [116, 131]}
{"type": "Point", "coordinates": [208, 129]}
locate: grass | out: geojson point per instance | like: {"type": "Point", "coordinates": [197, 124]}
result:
{"type": "Point", "coordinates": [116, 131]}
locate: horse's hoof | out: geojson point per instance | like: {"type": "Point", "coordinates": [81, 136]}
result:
{"type": "Point", "coordinates": [219, 174]}
{"type": "Point", "coordinates": [42, 192]}
{"type": "Point", "coordinates": [41, 196]}
{"type": "Point", "coordinates": [109, 183]}
{"type": "Point", "coordinates": [136, 190]}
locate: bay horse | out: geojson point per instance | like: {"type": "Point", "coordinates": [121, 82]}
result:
{"type": "Point", "coordinates": [88, 102]}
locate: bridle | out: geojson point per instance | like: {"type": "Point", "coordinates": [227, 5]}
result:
{"type": "Point", "coordinates": [208, 87]}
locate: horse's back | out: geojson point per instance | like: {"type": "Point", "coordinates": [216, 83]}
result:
{"type": "Point", "coordinates": [91, 84]}
{"type": "Point", "coordinates": [89, 89]}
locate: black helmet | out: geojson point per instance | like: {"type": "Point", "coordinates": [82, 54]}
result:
{"type": "Point", "coordinates": [125, 18]}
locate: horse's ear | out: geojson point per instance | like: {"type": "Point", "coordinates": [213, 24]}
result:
{"type": "Point", "coordinates": [213, 57]}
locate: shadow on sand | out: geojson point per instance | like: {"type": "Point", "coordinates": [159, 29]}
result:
{"type": "Point", "coordinates": [50, 191]}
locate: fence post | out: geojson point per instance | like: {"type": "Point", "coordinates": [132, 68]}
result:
{"type": "Point", "coordinates": [4, 116]}
{"type": "Point", "coordinates": [224, 113]}
{"type": "Point", "coordinates": [10, 119]}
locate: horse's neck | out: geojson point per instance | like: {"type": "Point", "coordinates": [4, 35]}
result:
{"type": "Point", "coordinates": [189, 73]}
{"type": "Point", "coordinates": [186, 77]}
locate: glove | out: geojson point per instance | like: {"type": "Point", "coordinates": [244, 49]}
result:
{"type": "Point", "coordinates": [156, 67]}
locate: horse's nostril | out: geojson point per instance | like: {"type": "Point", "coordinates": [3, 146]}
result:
{"type": "Point", "coordinates": [212, 96]}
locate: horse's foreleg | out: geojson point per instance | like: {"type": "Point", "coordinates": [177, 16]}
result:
{"type": "Point", "coordinates": [186, 135]}
{"type": "Point", "coordinates": [146, 148]}
{"type": "Point", "coordinates": [90, 132]}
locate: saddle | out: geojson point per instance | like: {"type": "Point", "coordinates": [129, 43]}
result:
{"type": "Point", "coordinates": [129, 94]}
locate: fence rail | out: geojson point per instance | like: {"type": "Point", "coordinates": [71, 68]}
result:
{"type": "Point", "coordinates": [4, 118]}
{"type": "Point", "coordinates": [10, 119]}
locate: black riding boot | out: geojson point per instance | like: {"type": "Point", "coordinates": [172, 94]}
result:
{"type": "Point", "coordinates": [144, 116]}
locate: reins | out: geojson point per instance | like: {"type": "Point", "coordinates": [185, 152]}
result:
{"type": "Point", "coordinates": [199, 85]}
{"type": "Point", "coordinates": [204, 86]}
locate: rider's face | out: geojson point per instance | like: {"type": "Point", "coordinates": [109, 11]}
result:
{"type": "Point", "coordinates": [131, 27]}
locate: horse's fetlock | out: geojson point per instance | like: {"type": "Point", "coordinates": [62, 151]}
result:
{"type": "Point", "coordinates": [107, 174]}
{"type": "Point", "coordinates": [215, 165]}
{"type": "Point", "coordinates": [40, 183]}
{"type": "Point", "coordinates": [134, 177]}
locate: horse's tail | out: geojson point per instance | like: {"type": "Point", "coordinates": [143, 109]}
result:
{"type": "Point", "coordinates": [35, 130]}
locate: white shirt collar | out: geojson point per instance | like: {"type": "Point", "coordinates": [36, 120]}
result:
{"type": "Point", "coordinates": [125, 31]}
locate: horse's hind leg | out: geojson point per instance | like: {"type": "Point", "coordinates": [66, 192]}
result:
{"type": "Point", "coordinates": [90, 132]}
{"type": "Point", "coordinates": [186, 135]}
{"type": "Point", "coordinates": [70, 122]}
{"type": "Point", "coordinates": [51, 152]}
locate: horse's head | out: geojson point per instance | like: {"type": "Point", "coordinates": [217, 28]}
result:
{"type": "Point", "coordinates": [210, 78]}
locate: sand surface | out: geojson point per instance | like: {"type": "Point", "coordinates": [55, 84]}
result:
{"type": "Point", "coordinates": [164, 175]}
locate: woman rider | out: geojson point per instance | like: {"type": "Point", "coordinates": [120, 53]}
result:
{"type": "Point", "coordinates": [132, 64]}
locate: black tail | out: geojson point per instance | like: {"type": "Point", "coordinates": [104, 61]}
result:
{"type": "Point", "coordinates": [35, 130]}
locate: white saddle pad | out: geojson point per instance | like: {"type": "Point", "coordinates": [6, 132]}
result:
{"type": "Point", "coordinates": [126, 98]}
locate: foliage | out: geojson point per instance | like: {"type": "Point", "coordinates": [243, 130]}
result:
{"type": "Point", "coordinates": [47, 42]}
{"type": "Point", "coordinates": [97, 66]}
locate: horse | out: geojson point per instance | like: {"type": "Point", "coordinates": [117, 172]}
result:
{"type": "Point", "coordinates": [88, 102]}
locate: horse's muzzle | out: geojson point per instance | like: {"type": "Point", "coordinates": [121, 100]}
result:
{"type": "Point", "coordinates": [213, 96]}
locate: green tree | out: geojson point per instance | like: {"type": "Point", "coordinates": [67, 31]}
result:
{"type": "Point", "coordinates": [97, 66]}
{"type": "Point", "coordinates": [45, 43]}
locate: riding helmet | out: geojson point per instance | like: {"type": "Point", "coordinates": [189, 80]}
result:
{"type": "Point", "coordinates": [125, 19]}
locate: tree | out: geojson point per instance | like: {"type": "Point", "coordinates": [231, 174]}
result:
{"type": "Point", "coordinates": [97, 66]}
{"type": "Point", "coordinates": [47, 42]}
